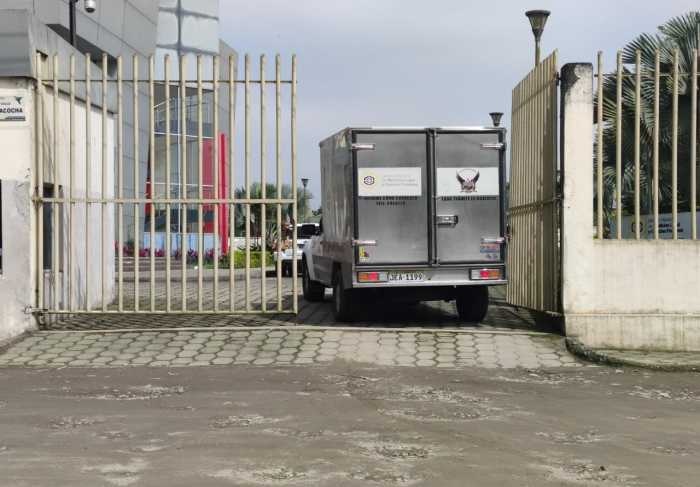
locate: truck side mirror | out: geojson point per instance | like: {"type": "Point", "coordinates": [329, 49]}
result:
{"type": "Point", "coordinates": [319, 230]}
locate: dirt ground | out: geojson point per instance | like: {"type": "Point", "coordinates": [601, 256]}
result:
{"type": "Point", "coordinates": [348, 424]}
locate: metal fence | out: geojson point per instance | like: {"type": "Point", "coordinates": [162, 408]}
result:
{"type": "Point", "coordinates": [646, 144]}
{"type": "Point", "coordinates": [85, 126]}
{"type": "Point", "coordinates": [533, 256]}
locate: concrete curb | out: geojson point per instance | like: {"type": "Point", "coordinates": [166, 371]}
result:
{"type": "Point", "coordinates": [600, 357]}
{"type": "Point", "coordinates": [5, 345]}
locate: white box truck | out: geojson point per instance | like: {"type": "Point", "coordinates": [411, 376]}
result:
{"type": "Point", "coordinates": [410, 214]}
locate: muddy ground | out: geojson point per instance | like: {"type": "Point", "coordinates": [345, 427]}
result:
{"type": "Point", "coordinates": [342, 424]}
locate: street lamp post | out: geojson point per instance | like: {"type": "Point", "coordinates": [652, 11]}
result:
{"type": "Point", "coordinates": [538, 19]}
{"type": "Point", "coordinates": [304, 183]}
{"type": "Point", "coordinates": [90, 7]}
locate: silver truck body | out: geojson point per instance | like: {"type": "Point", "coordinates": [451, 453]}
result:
{"type": "Point", "coordinates": [420, 211]}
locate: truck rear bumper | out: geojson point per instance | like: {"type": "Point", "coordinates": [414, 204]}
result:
{"type": "Point", "coordinates": [442, 276]}
{"type": "Point", "coordinates": [411, 294]}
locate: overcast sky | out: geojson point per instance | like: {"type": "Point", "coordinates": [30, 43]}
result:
{"type": "Point", "coordinates": [412, 62]}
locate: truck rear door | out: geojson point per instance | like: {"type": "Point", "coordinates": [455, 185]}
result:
{"type": "Point", "coordinates": [468, 204]}
{"type": "Point", "coordinates": [392, 185]}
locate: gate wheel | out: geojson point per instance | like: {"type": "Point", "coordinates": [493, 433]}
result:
{"type": "Point", "coordinates": [473, 303]}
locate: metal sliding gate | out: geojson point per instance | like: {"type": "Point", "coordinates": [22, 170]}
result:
{"type": "Point", "coordinates": [533, 260]}
{"type": "Point", "coordinates": [140, 204]}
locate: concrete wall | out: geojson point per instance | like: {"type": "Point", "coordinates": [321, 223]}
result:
{"type": "Point", "coordinates": [618, 294]}
{"type": "Point", "coordinates": [16, 177]}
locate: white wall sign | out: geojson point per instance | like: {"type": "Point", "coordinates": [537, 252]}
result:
{"type": "Point", "coordinates": [467, 181]}
{"type": "Point", "coordinates": [389, 181]}
{"type": "Point", "coordinates": [12, 109]}
{"type": "Point", "coordinates": [647, 228]}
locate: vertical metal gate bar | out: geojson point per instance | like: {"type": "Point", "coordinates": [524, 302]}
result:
{"type": "Point", "coordinates": [278, 161]}
{"type": "Point", "coordinates": [674, 149]}
{"type": "Point", "coordinates": [88, 164]}
{"type": "Point", "coordinates": [541, 212]}
{"type": "Point", "coordinates": [693, 147]}
{"type": "Point", "coordinates": [232, 180]}
{"type": "Point", "coordinates": [103, 188]}
{"type": "Point", "coordinates": [137, 161]}
{"type": "Point", "coordinates": [168, 175]}
{"type": "Point", "coordinates": [247, 182]}
{"type": "Point", "coordinates": [56, 304]}
{"type": "Point", "coordinates": [200, 187]}
{"type": "Point", "coordinates": [541, 187]}
{"type": "Point", "coordinates": [599, 149]}
{"type": "Point", "coordinates": [120, 184]}
{"type": "Point", "coordinates": [183, 181]}
{"type": "Point", "coordinates": [40, 181]}
{"type": "Point", "coordinates": [71, 162]}
{"type": "Point", "coordinates": [152, 171]}
{"type": "Point", "coordinates": [657, 129]}
{"type": "Point", "coordinates": [216, 167]}
{"type": "Point", "coordinates": [515, 248]}
{"type": "Point", "coordinates": [523, 144]}
{"type": "Point", "coordinates": [618, 149]}
{"type": "Point", "coordinates": [553, 268]}
{"type": "Point", "coordinates": [637, 133]}
{"type": "Point", "coordinates": [263, 190]}
{"type": "Point", "coordinates": [294, 179]}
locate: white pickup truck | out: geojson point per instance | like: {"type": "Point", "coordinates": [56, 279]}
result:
{"type": "Point", "coordinates": [304, 233]}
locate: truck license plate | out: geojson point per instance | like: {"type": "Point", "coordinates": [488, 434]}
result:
{"type": "Point", "coordinates": [406, 276]}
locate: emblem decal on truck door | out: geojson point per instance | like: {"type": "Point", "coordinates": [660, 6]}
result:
{"type": "Point", "coordinates": [468, 178]}
{"type": "Point", "coordinates": [468, 183]}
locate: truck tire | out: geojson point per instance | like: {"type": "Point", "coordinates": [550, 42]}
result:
{"type": "Point", "coordinates": [313, 291]}
{"type": "Point", "coordinates": [344, 307]}
{"type": "Point", "coordinates": [473, 304]}
{"type": "Point", "coordinates": [286, 269]}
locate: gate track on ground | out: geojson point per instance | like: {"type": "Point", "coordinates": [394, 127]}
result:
{"type": "Point", "coordinates": [438, 315]}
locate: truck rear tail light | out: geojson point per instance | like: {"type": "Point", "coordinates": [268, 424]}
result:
{"type": "Point", "coordinates": [371, 277]}
{"type": "Point", "coordinates": [486, 274]}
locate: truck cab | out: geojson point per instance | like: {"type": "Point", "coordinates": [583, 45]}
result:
{"type": "Point", "coordinates": [305, 231]}
{"type": "Point", "coordinates": [410, 214]}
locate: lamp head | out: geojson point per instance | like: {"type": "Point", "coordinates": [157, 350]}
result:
{"type": "Point", "coordinates": [538, 19]}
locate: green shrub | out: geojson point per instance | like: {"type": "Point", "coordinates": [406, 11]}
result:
{"type": "Point", "coordinates": [239, 260]}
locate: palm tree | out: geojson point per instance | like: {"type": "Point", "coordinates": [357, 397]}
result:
{"type": "Point", "coordinates": [271, 209]}
{"type": "Point", "coordinates": [682, 34]}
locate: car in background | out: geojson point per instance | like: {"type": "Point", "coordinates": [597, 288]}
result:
{"type": "Point", "coordinates": [287, 255]}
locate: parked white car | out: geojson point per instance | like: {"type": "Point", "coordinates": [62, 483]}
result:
{"type": "Point", "coordinates": [304, 233]}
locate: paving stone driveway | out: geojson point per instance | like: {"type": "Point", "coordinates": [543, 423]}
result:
{"type": "Point", "coordinates": [291, 346]}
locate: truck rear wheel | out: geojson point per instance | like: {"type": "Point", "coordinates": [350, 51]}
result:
{"type": "Point", "coordinates": [473, 304]}
{"type": "Point", "coordinates": [343, 302]}
{"type": "Point", "coordinates": [313, 291]}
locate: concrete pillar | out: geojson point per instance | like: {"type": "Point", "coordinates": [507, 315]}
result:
{"type": "Point", "coordinates": [577, 165]}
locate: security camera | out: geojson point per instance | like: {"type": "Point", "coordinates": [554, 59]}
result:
{"type": "Point", "coordinates": [90, 6]}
